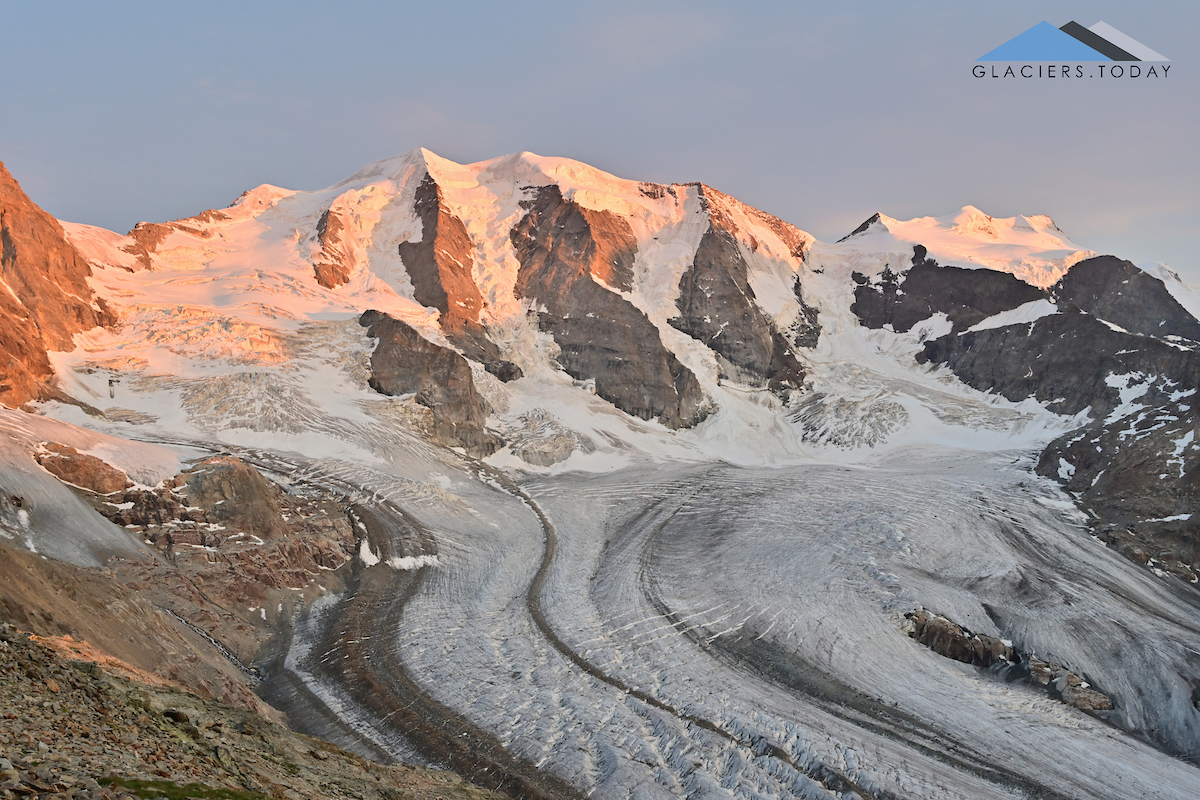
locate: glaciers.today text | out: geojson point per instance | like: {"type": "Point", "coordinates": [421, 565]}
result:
{"type": "Point", "coordinates": [1071, 71]}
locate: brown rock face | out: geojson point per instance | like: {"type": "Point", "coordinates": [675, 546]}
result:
{"type": "Point", "coordinates": [332, 265]}
{"type": "Point", "coordinates": [89, 472]}
{"type": "Point", "coordinates": [234, 494]}
{"type": "Point", "coordinates": [565, 252]}
{"type": "Point", "coordinates": [945, 638]}
{"type": "Point", "coordinates": [147, 236]}
{"type": "Point", "coordinates": [440, 267]}
{"type": "Point", "coordinates": [404, 362]}
{"type": "Point", "coordinates": [46, 298]}
{"type": "Point", "coordinates": [717, 306]}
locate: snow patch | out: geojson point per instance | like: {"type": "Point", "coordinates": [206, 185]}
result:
{"type": "Point", "coordinates": [1026, 312]}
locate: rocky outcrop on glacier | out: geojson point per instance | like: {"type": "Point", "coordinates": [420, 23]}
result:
{"type": "Point", "coordinates": [570, 256]}
{"type": "Point", "coordinates": [334, 258]}
{"type": "Point", "coordinates": [953, 641]}
{"type": "Point", "coordinates": [406, 363]}
{"type": "Point", "coordinates": [45, 298]}
{"type": "Point", "coordinates": [980, 650]}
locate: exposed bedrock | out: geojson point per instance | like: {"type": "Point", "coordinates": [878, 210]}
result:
{"type": "Point", "coordinates": [1140, 476]}
{"type": "Point", "coordinates": [967, 296]}
{"type": "Point", "coordinates": [47, 299]}
{"type": "Point", "coordinates": [1118, 291]}
{"type": "Point", "coordinates": [953, 641]}
{"type": "Point", "coordinates": [440, 267]}
{"type": "Point", "coordinates": [236, 495]}
{"type": "Point", "coordinates": [147, 236]}
{"type": "Point", "coordinates": [333, 263]}
{"type": "Point", "coordinates": [566, 252]}
{"type": "Point", "coordinates": [717, 306]}
{"type": "Point", "coordinates": [1065, 360]}
{"type": "Point", "coordinates": [406, 363]}
{"type": "Point", "coordinates": [80, 469]}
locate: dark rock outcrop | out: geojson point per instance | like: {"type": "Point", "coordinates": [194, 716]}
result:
{"type": "Point", "coordinates": [1139, 475]}
{"type": "Point", "coordinates": [45, 299]}
{"type": "Point", "coordinates": [1064, 360]}
{"type": "Point", "coordinates": [717, 306]}
{"type": "Point", "coordinates": [863, 228]}
{"type": "Point", "coordinates": [404, 362]}
{"type": "Point", "coordinates": [440, 267]}
{"type": "Point", "coordinates": [1117, 291]}
{"type": "Point", "coordinates": [147, 236]}
{"type": "Point", "coordinates": [1071, 689]}
{"type": "Point", "coordinates": [333, 262]}
{"type": "Point", "coordinates": [566, 253]}
{"type": "Point", "coordinates": [80, 469]}
{"type": "Point", "coordinates": [966, 296]}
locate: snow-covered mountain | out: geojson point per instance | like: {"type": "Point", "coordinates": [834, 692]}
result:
{"type": "Point", "coordinates": [455, 346]}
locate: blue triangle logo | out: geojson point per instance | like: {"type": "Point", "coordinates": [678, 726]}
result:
{"type": "Point", "coordinates": [1044, 42]}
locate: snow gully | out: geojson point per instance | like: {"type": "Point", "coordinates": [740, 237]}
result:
{"type": "Point", "coordinates": [1071, 71]}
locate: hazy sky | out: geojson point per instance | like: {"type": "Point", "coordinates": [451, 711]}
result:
{"type": "Point", "coordinates": [820, 113]}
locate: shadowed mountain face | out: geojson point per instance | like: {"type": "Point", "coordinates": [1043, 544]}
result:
{"type": "Point", "coordinates": [1117, 291]}
{"type": "Point", "coordinates": [440, 267]}
{"type": "Point", "coordinates": [966, 296]}
{"type": "Point", "coordinates": [46, 298]}
{"type": "Point", "coordinates": [566, 252]}
{"type": "Point", "coordinates": [717, 306]}
{"type": "Point", "coordinates": [406, 363]}
{"type": "Point", "coordinates": [1065, 360]}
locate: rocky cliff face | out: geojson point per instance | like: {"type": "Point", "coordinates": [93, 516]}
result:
{"type": "Point", "coordinates": [440, 267]}
{"type": "Point", "coordinates": [334, 260]}
{"type": "Point", "coordinates": [1139, 475]}
{"type": "Point", "coordinates": [45, 298]}
{"type": "Point", "coordinates": [718, 306]}
{"type": "Point", "coordinates": [1066, 360]}
{"type": "Point", "coordinates": [569, 255]}
{"type": "Point", "coordinates": [1119, 292]}
{"type": "Point", "coordinates": [903, 298]}
{"type": "Point", "coordinates": [406, 363]}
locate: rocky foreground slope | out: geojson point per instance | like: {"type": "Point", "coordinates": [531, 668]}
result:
{"type": "Point", "coordinates": [72, 728]}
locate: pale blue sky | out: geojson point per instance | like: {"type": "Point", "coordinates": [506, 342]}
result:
{"type": "Point", "coordinates": [821, 113]}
